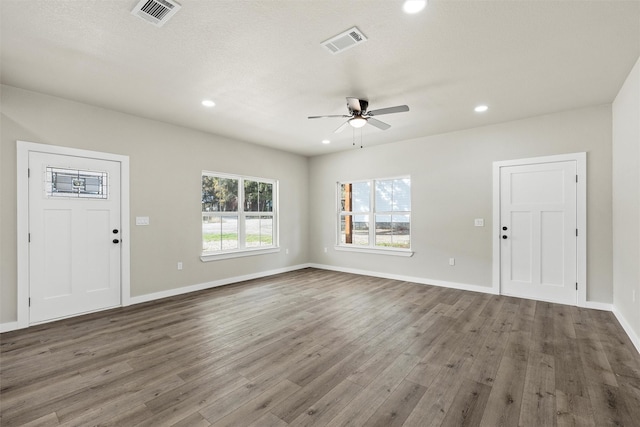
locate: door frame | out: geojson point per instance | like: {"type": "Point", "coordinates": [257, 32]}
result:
{"type": "Point", "coordinates": [581, 216]}
{"type": "Point", "coordinates": [23, 150]}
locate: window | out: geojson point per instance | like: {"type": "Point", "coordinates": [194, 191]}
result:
{"type": "Point", "coordinates": [375, 214]}
{"type": "Point", "coordinates": [76, 183]}
{"type": "Point", "coordinates": [238, 214]}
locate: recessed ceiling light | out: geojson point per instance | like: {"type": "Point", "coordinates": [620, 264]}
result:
{"type": "Point", "coordinates": [413, 6]}
{"type": "Point", "coordinates": [326, 141]}
{"type": "Point", "coordinates": [481, 109]}
{"type": "Point", "coordinates": [208, 103]}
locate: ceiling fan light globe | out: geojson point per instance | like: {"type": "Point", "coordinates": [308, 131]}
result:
{"type": "Point", "coordinates": [358, 122]}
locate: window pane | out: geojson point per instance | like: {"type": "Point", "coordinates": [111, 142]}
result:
{"type": "Point", "coordinates": [401, 231]}
{"type": "Point", "coordinates": [383, 230]}
{"type": "Point", "coordinates": [345, 200]}
{"type": "Point", "coordinates": [258, 231]}
{"type": "Point", "coordinates": [354, 197]}
{"type": "Point", "coordinates": [219, 194]}
{"type": "Point", "coordinates": [354, 229]}
{"type": "Point", "coordinates": [384, 196]}
{"type": "Point", "coordinates": [360, 197]}
{"type": "Point", "coordinates": [402, 195]}
{"type": "Point", "coordinates": [219, 233]}
{"type": "Point", "coordinates": [266, 231]}
{"type": "Point", "coordinates": [393, 195]}
{"type": "Point", "coordinates": [393, 231]}
{"type": "Point", "coordinates": [258, 196]}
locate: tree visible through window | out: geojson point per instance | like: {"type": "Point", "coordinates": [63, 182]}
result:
{"type": "Point", "coordinates": [237, 213]}
{"type": "Point", "coordinates": [375, 213]}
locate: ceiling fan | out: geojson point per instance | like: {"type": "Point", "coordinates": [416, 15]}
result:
{"type": "Point", "coordinates": [359, 115]}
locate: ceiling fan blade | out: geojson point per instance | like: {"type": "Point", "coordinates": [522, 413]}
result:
{"type": "Point", "coordinates": [341, 128]}
{"type": "Point", "coordinates": [389, 110]}
{"type": "Point", "coordinates": [324, 117]}
{"type": "Point", "coordinates": [354, 104]}
{"type": "Point", "coordinates": [378, 124]}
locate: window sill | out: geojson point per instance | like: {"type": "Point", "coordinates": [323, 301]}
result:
{"type": "Point", "coordinates": [378, 251]}
{"type": "Point", "coordinates": [238, 254]}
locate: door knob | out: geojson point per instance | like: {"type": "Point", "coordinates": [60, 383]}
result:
{"type": "Point", "coordinates": [504, 228]}
{"type": "Point", "coordinates": [115, 231]}
{"type": "Point", "coordinates": [116, 241]}
{"type": "Point", "coordinates": [503, 236]}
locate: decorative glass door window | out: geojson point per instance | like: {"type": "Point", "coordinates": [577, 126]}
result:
{"type": "Point", "coordinates": [60, 182]}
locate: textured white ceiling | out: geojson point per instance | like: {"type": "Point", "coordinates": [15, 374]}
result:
{"type": "Point", "coordinates": [263, 65]}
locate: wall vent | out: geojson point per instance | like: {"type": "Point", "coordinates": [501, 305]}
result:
{"type": "Point", "coordinates": [158, 12]}
{"type": "Point", "coordinates": [344, 41]}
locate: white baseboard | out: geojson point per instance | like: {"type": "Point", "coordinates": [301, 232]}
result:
{"type": "Point", "coordinates": [627, 328]}
{"type": "Point", "coordinates": [202, 286]}
{"type": "Point", "coordinates": [8, 326]}
{"type": "Point", "coordinates": [598, 305]}
{"type": "Point", "coordinates": [420, 280]}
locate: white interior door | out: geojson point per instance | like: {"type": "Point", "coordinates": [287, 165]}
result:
{"type": "Point", "coordinates": [538, 251]}
{"type": "Point", "coordinates": [74, 235]}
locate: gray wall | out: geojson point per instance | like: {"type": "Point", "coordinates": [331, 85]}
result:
{"type": "Point", "coordinates": [166, 163]}
{"type": "Point", "coordinates": [626, 200]}
{"type": "Point", "coordinates": [451, 178]}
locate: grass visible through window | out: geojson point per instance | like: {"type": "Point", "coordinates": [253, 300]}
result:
{"type": "Point", "coordinates": [216, 237]}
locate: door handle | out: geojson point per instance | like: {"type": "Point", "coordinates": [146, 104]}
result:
{"type": "Point", "coordinates": [504, 236]}
{"type": "Point", "coordinates": [115, 231]}
{"type": "Point", "coordinates": [116, 241]}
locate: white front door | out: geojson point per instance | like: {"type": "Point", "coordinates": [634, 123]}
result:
{"type": "Point", "coordinates": [538, 231]}
{"type": "Point", "coordinates": [74, 234]}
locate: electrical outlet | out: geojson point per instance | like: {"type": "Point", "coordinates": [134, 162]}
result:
{"type": "Point", "coordinates": [478, 222]}
{"type": "Point", "coordinates": [325, 250]}
{"type": "Point", "coordinates": [452, 261]}
{"type": "Point", "coordinates": [180, 265]}
{"type": "Point", "coordinates": [286, 251]}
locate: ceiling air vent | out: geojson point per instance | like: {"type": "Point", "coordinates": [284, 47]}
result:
{"type": "Point", "coordinates": [158, 12]}
{"type": "Point", "coordinates": [344, 41]}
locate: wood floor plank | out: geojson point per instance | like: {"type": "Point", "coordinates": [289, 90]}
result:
{"type": "Point", "coordinates": [395, 410]}
{"type": "Point", "coordinates": [468, 407]}
{"type": "Point", "coordinates": [439, 395]}
{"type": "Point", "coordinates": [268, 420]}
{"type": "Point", "coordinates": [360, 409]}
{"type": "Point", "coordinates": [328, 406]}
{"type": "Point", "coordinates": [609, 407]}
{"type": "Point", "coordinates": [538, 397]}
{"type": "Point", "coordinates": [44, 421]}
{"type": "Point", "coordinates": [505, 400]}
{"type": "Point", "coordinates": [315, 347]}
{"type": "Point", "coordinates": [573, 411]}
{"type": "Point", "coordinates": [235, 399]}
{"type": "Point", "coordinates": [257, 407]}
{"type": "Point", "coordinates": [193, 420]}
{"type": "Point", "coordinates": [542, 334]}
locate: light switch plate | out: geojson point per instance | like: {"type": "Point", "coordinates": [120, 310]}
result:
{"type": "Point", "coordinates": [142, 220]}
{"type": "Point", "coordinates": [479, 222]}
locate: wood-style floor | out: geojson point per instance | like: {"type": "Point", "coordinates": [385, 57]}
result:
{"type": "Point", "coordinates": [319, 348]}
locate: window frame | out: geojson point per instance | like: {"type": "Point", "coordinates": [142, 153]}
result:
{"type": "Point", "coordinates": [242, 214]}
{"type": "Point", "coordinates": [371, 213]}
